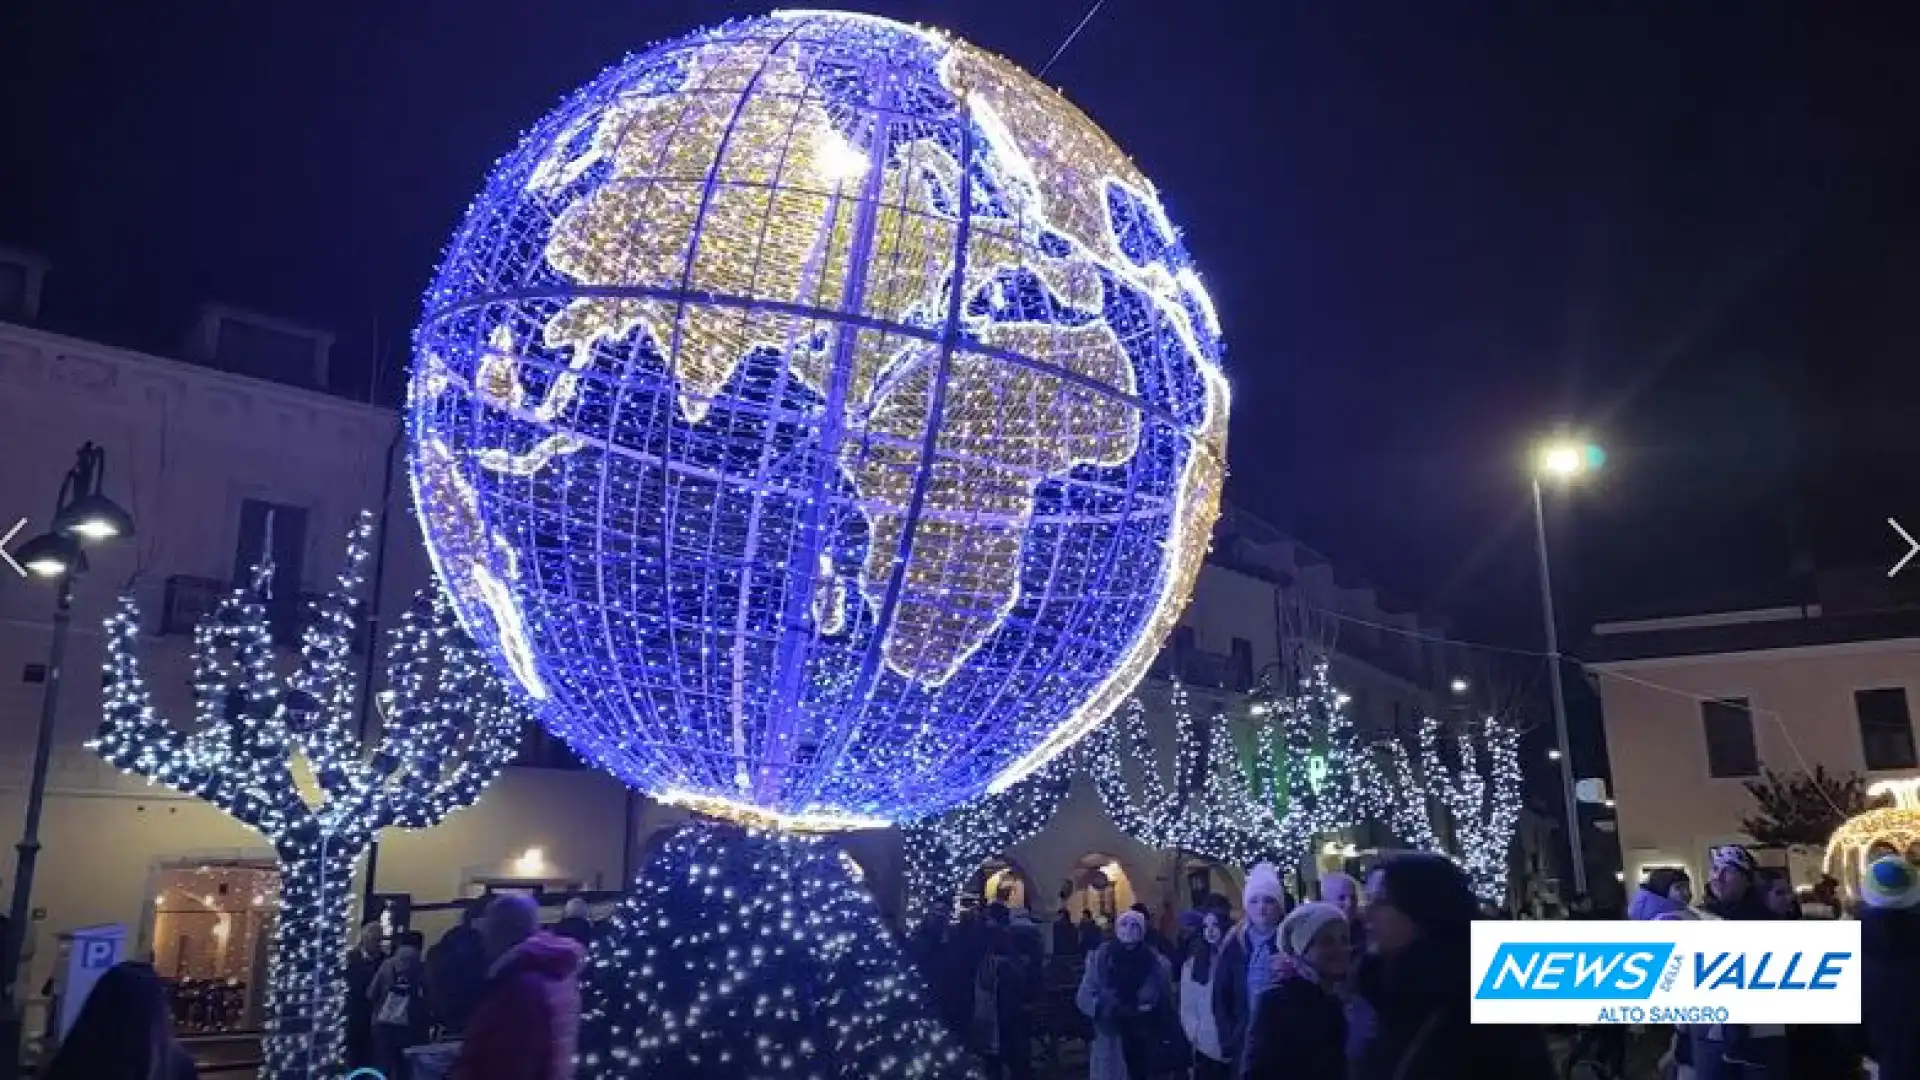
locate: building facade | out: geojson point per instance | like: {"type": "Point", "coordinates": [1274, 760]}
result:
{"type": "Point", "coordinates": [1696, 705]}
{"type": "Point", "coordinates": [206, 451]}
{"type": "Point", "coordinates": [200, 457]}
{"type": "Point", "coordinates": [1262, 599]}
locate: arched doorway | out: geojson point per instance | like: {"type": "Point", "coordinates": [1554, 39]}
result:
{"type": "Point", "coordinates": [1099, 885]}
{"type": "Point", "coordinates": [1002, 880]}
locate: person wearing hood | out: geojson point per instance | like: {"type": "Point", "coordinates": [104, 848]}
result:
{"type": "Point", "coordinates": [398, 998]}
{"type": "Point", "coordinates": [1890, 966]}
{"type": "Point", "coordinates": [1737, 1051]}
{"type": "Point", "coordinates": [1299, 1031]}
{"type": "Point", "coordinates": [1248, 958]}
{"type": "Point", "coordinates": [1125, 991]}
{"type": "Point", "coordinates": [528, 1018]}
{"type": "Point", "coordinates": [1665, 891]}
{"type": "Point", "coordinates": [1664, 897]}
{"type": "Point", "coordinates": [1419, 911]}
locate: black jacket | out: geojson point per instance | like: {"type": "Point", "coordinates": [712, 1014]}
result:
{"type": "Point", "coordinates": [1299, 1032]}
{"type": "Point", "coordinates": [1890, 990]}
{"type": "Point", "coordinates": [1423, 1031]}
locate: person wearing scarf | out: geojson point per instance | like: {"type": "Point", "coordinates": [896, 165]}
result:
{"type": "Point", "coordinates": [1125, 988]}
{"type": "Point", "coordinates": [1247, 959]}
{"type": "Point", "coordinates": [1299, 1031]}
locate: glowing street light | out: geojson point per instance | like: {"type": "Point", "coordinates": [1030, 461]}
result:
{"type": "Point", "coordinates": [1567, 459]}
{"type": "Point", "coordinates": [1562, 459]}
{"type": "Point", "coordinates": [82, 513]}
{"type": "Point", "coordinates": [1459, 686]}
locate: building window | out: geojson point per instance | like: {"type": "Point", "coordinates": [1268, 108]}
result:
{"type": "Point", "coordinates": [1240, 673]}
{"type": "Point", "coordinates": [1886, 728]}
{"type": "Point", "coordinates": [288, 527]}
{"type": "Point", "coordinates": [1729, 727]}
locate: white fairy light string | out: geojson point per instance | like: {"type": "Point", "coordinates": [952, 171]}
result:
{"type": "Point", "coordinates": [451, 726]}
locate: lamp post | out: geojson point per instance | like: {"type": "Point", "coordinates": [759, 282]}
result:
{"type": "Point", "coordinates": [81, 513]}
{"type": "Point", "coordinates": [1562, 460]}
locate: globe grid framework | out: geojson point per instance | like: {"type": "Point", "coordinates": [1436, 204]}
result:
{"type": "Point", "coordinates": [819, 419]}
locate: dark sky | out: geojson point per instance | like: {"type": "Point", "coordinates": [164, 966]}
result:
{"type": "Point", "coordinates": [1432, 227]}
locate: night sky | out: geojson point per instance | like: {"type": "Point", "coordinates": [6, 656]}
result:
{"type": "Point", "coordinates": [1432, 229]}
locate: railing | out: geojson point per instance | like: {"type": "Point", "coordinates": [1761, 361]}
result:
{"type": "Point", "coordinates": [191, 600]}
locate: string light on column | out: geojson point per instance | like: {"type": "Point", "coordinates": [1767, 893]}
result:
{"type": "Point", "coordinates": [449, 728]}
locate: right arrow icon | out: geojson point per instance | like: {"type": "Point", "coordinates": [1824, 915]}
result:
{"type": "Point", "coordinates": [1913, 548]}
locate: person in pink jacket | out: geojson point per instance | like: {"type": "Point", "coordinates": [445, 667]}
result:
{"type": "Point", "coordinates": [528, 1019]}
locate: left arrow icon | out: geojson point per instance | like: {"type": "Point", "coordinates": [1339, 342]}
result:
{"type": "Point", "coordinates": [1913, 548]}
{"type": "Point", "coordinates": [8, 539]}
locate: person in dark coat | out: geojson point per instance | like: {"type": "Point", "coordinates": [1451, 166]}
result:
{"type": "Point", "coordinates": [362, 964]}
{"type": "Point", "coordinates": [123, 1032]}
{"type": "Point", "coordinates": [1247, 961]}
{"type": "Point", "coordinates": [1890, 967]}
{"type": "Point", "coordinates": [1738, 1051]}
{"type": "Point", "coordinates": [1090, 935]}
{"type": "Point", "coordinates": [1004, 988]}
{"type": "Point", "coordinates": [526, 1024]}
{"type": "Point", "coordinates": [456, 971]}
{"type": "Point", "coordinates": [575, 924]}
{"type": "Point", "coordinates": [1126, 990]}
{"type": "Point", "coordinates": [399, 999]}
{"type": "Point", "coordinates": [1065, 941]}
{"type": "Point", "coordinates": [1299, 1031]}
{"type": "Point", "coordinates": [1419, 909]}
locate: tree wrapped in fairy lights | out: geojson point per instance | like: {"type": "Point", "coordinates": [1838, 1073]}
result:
{"type": "Point", "coordinates": [1465, 785]}
{"type": "Point", "coordinates": [774, 988]}
{"type": "Point", "coordinates": [944, 852]}
{"type": "Point", "coordinates": [1307, 758]}
{"type": "Point", "coordinates": [1211, 806]}
{"type": "Point", "coordinates": [282, 754]}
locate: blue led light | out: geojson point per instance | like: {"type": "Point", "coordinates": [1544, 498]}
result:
{"type": "Point", "coordinates": [819, 419]}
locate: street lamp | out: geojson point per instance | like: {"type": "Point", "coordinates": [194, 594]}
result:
{"type": "Point", "coordinates": [81, 513]}
{"type": "Point", "coordinates": [1459, 686]}
{"type": "Point", "coordinates": [1561, 460]}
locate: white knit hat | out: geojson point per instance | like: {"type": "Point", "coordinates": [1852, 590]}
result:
{"type": "Point", "coordinates": [1263, 880]}
{"type": "Point", "coordinates": [1304, 923]}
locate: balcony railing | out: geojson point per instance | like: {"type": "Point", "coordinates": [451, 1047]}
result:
{"type": "Point", "coordinates": [192, 600]}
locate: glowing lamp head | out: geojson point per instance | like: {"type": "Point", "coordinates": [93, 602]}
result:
{"type": "Point", "coordinates": [94, 517]}
{"type": "Point", "coordinates": [51, 555]}
{"type": "Point", "coordinates": [820, 420]}
{"type": "Point", "coordinates": [1567, 459]}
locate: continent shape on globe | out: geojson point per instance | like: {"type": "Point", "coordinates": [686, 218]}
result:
{"type": "Point", "coordinates": [946, 299]}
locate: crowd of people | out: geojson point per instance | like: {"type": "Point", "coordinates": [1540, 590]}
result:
{"type": "Point", "coordinates": [1357, 985]}
{"type": "Point", "coordinates": [503, 987]}
{"type": "Point", "coordinates": [1738, 889]}
{"type": "Point", "coordinates": [1363, 983]}
{"type": "Point", "coordinates": [506, 989]}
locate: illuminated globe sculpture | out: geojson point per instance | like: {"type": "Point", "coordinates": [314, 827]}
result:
{"type": "Point", "coordinates": [820, 419]}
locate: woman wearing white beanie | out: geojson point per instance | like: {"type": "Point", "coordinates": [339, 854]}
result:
{"type": "Point", "coordinates": [1299, 1031]}
{"type": "Point", "coordinates": [1246, 962]}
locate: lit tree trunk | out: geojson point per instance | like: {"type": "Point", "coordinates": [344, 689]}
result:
{"type": "Point", "coordinates": [307, 991]}
{"type": "Point", "coordinates": [447, 729]}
